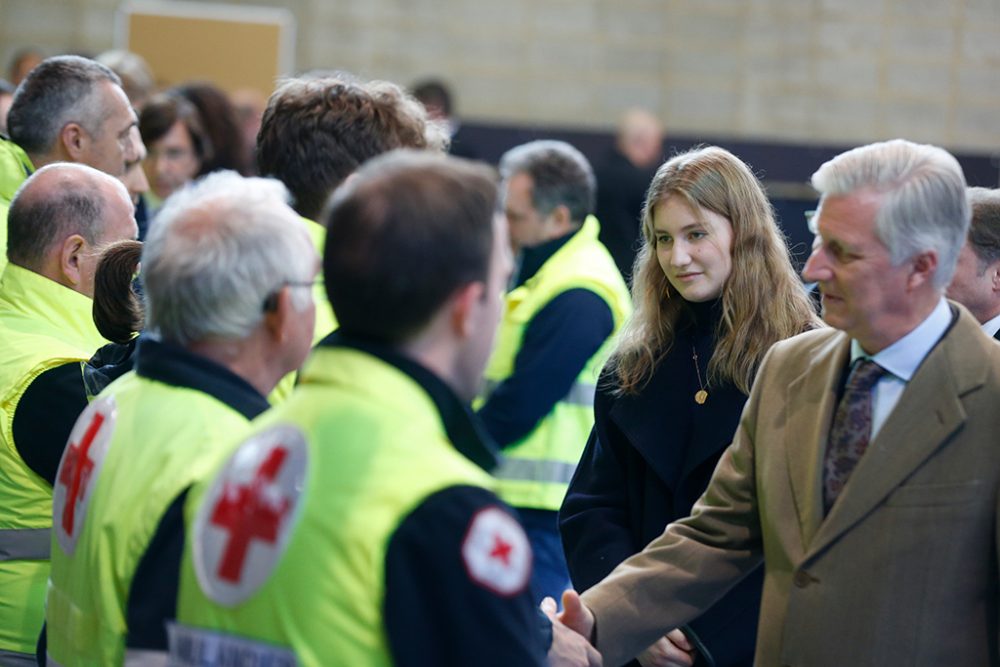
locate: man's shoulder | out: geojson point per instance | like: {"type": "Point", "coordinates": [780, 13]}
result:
{"type": "Point", "coordinates": [13, 162]}
{"type": "Point", "coordinates": [809, 342]}
{"type": "Point", "coordinates": [789, 358]}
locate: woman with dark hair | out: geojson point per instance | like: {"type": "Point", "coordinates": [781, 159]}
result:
{"type": "Point", "coordinates": [178, 148]}
{"type": "Point", "coordinates": [222, 125]}
{"type": "Point", "coordinates": [713, 289]}
{"type": "Point", "coordinates": [118, 313]}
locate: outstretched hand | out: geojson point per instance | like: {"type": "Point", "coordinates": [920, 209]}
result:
{"type": "Point", "coordinates": [576, 616]}
{"type": "Point", "coordinates": [569, 647]}
{"type": "Point", "coordinates": [672, 650]}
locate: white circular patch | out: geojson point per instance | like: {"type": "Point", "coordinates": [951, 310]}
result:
{"type": "Point", "coordinates": [79, 468]}
{"type": "Point", "coordinates": [496, 552]}
{"type": "Point", "coordinates": [245, 519]}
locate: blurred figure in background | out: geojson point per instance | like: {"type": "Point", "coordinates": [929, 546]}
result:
{"type": "Point", "coordinates": [249, 104]}
{"type": "Point", "coordinates": [437, 99]}
{"type": "Point", "coordinates": [178, 148]}
{"type": "Point", "coordinates": [976, 283]}
{"type": "Point", "coordinates": [6, 98]}
{"type": "Point", "coordinates": [136, 75]}
{"type": "Point", "coordinates": [622, 180]}
{"type": "Point", "coordinates": [221, 123]}
{"type": "Point", "coordinates": [23, 61]}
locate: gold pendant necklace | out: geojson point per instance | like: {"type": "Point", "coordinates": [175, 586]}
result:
{"type": "Point", "coordinates": [701, 395]}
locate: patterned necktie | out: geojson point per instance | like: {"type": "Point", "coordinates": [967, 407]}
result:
{"type": "Point", "coordinates": [851, 429]}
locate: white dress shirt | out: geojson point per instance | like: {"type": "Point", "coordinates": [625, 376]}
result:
{"type": "Point", "coordinates": [991, 327]}
{"type": "Point", "coordinates": [901, 360]}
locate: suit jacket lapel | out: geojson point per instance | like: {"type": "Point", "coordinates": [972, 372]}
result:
{"type": "Point", "coordinates": [927, 414]}
{"type": "Point", "coordinates": [811, 398]}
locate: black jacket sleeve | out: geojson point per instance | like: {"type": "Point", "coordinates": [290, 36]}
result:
{"type": "Point", "coordinates": [557, 343]}
{"type": "Point", "coordinates": [456, 590]}
{"type": "Point", "coordinates": [152, 599]}
{"type": "Point", "coordinates": [45, 417]}
{"type": "Point", "coordinates": [594, 518]}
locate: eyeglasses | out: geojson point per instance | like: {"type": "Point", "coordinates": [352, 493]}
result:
{"type": "Point", "coordinates": [271, 302]}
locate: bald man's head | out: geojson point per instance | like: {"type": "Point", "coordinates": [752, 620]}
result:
{"type": "Point", "coordinates": [61, 216]}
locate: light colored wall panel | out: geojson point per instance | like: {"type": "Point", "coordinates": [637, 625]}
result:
{"type": "Point", "coordinates": [845, 71]}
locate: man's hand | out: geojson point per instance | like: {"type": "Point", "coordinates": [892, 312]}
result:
{"type": "Point", "coordinates": [673, 650]}
{"type": "Point", "coordinates": [568, 649]}
{"type": "Point", "coordinates": [575, 615]}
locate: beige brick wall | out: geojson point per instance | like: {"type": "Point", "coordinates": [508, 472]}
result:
{"type": "Point", "coordinates": [843, 71]}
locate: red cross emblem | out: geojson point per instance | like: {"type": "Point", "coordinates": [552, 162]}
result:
{"type": "Point", "coordinates": [76, 471]}
{"type": "Point", "coordinates": [247, 513]}
{"type": "Point", "coordinates": [245, 518]}
{"type": "Point", "coordinates": [79, 469]}
{"type": "Point", "coordinates": [496, 552]}
{"type": "Point", "coordinates": [501, 550]}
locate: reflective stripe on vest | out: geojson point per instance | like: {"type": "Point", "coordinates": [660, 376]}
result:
{"type": "Point", "coordinates": [581, 393]}
{"type": "Point", "coordinates": [24, 544]}
{"type": "Point", "coordinates": [15, 659]}
{"type": "Point", "coordinates": [197, 647]}
{"type": "Point", "coordinates": [535, 470]}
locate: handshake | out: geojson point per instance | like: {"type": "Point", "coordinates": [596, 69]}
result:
{"type": "Point", "coordinates": [573, 636]}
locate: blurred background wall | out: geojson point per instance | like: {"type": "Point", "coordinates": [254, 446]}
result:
{"type": "Point", "coordinates": [842, 71]}
{"type": "Point", "coordinates": [784, 83]}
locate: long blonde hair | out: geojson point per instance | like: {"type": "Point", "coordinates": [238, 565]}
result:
{"type": "Point", "coordinates": [762, 299]}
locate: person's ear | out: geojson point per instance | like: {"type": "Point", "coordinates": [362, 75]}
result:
{"type": "Point", "coordinates": [561, 220]}
{"type": "Point", "coordinates": [278, 313]}
{"type": "Point", "coordinates": [464, 308]}
{"type": "Point", "coordinates": [75, 141]}
{"type": "Point", "coordinates": [994, 270]}
{"type": "Point", "coordinates": [924, 267]}
{"type": "Point", "coordinates": [71, 258]}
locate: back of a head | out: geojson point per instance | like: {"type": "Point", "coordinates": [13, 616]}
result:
{"type": "Point", "coordinates": [117, 307]}
{"type": "Point", "coordinates": [984, 232]}
{"type": "Point", "coordinates": [560, 175]}
{"type": "Point", "coordinates": [924, 204]}
{"type": "Point", "coordinates": [435, 97]}
{"type": "Point", "coordinates": [219, 249]}
{"type": "Point", "coordinates": [55, 202]}
{"type": "Point", "coordinates": [60, 90]}
{"type": "Point", "coordinates": [317, 131]}
{"type": "Point", "coordinates": [402, 237]}
{"type": "Point", "coordinates": [136, 75]}
{"type": "Point", "coordinates": [221, 123]}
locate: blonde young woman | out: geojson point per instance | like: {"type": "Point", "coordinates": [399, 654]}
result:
{"type": "Point", "coordinates": [713, 289]}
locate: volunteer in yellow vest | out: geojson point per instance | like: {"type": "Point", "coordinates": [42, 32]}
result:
{"type": "Point", "coordinates": [58, 219]}
{"type": "Point", "coordinates": [316, 131]}
{"type": "Point", "coordinates": [68, 109]}
{"type": "Point", "coordinates": [356, 525]}
{"type": "Point", "coordinates": [227, 273]}
{"type": "Point", "coordinates": [566, 302]}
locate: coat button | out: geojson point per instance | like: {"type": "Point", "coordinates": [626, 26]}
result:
{"type": "Point", "coordinates": [802, 579]}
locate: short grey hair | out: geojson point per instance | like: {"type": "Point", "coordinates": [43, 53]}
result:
{"type": "Point", "coordinates": [560, 175]}
{"type": "Point", "coordinates": [58, 91]}
{"type": "Point", "coordinates": [216, 252]}
{"type": "Point", "coordinates": [924, 204]}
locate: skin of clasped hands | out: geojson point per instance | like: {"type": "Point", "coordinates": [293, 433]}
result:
{"type": "Point", "coordinates": [671, 650]}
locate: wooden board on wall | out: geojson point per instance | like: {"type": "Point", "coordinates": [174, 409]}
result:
{"type": "Point", "coordinates": [235, 47]}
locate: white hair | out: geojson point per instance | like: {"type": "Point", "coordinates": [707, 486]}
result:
{"type": "Point", "coordinates": [924, 205]}
{"type": "Point", "coordinates": [216, 252]}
